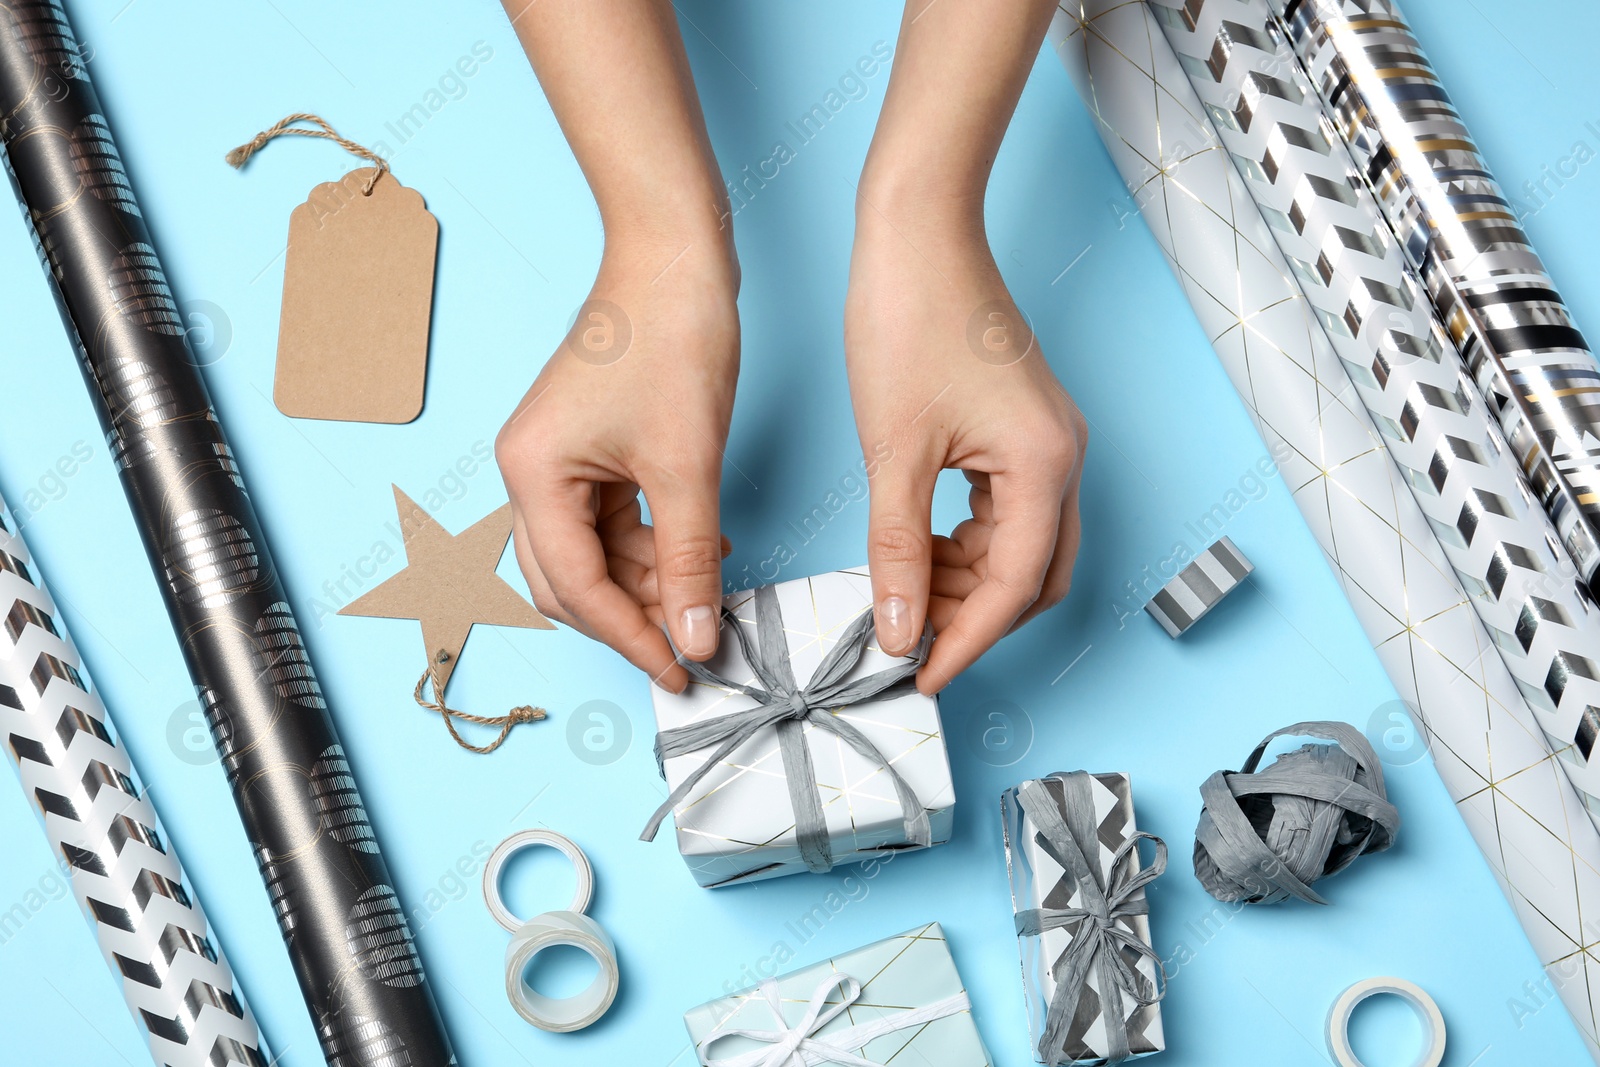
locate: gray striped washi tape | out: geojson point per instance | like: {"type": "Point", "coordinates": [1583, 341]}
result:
{"type": "Point", "coordinates": [1198, 587]}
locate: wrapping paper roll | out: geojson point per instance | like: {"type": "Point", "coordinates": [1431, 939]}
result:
{"type": "Point", "coordinates": [1486, 743]}
{"type": "Point", "coordinates": [1378, 319]}
{"type": "Point", "coordinates": [336, 906]}
{"type": "Point", "coordinates": [125, 875]}
{"type": "Point", "coordinates": [1457, 227]}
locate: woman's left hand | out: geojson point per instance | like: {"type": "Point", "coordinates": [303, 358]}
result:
{"type": "Point", "coordinates": [946, 372]}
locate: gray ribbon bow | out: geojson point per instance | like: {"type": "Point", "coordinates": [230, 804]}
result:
{"type": "Point", "coordinates": [1099, 930]}
{"type": "Point", "coordinates": [783, 704]}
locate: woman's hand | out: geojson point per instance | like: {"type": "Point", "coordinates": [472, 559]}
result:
{"type": "Point", "coordinates": [637, 397]}
{"type": "Point", "coordinates": [945, 370]}
{"type": "Point", "coordinates": [639, 394]}
{"type": "Point", "coordinates": [942, 366]}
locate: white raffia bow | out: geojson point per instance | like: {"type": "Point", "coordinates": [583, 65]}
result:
{"type": "Point", "coordinates": [794, 1046]}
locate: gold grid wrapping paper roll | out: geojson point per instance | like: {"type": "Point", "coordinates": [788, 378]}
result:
{"type": "Point", "coordinates": [1378, 319]}
{"type": "Point", "coordinates": [1485, 741]}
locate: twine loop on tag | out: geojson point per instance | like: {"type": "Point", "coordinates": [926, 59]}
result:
{"type": "Point", "coordinates": [512, 718]}
{"type": "Point", "coordinates": [238, 157]}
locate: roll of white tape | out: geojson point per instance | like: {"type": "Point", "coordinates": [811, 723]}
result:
{"type": "Point", "coordinates": [566, 1013]}
{"type": "Point", "coordinates": [552, 928]}
{"type": "Point", "coordinates": [530, 839]}
{"type": "Point", "coordinates": [1339, 1019]}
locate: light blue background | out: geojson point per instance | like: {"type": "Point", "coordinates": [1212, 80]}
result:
{"type": "Point", "coordinates": [520, 240]}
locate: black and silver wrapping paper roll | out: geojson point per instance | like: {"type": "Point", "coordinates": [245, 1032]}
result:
{"type": "Point", "coordinates": [99, 820]}
{"type": "Point", "coordinates": [1458, 229]}
{"type": "Point", "coordinates": [1378, 318]}
{"type": "Point", "coordinates": [335, 901]}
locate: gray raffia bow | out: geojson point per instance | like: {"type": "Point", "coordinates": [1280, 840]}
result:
{"type": "Point", "coordinates": [783, 704]}
{"type": "Point", "coordinates": [1099, 934]}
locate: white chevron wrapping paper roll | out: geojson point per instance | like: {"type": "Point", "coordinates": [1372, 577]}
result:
{"type": "Point", "coordinates": [1485, 741]}
{"type": "Point", "coordinates": [125, 876]}
{"type": "Point", "coordinates": [1378, 318]}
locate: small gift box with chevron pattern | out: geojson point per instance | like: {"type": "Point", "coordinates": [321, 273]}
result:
{"type": "Point", "coordinates": [896, 1001]}
{"type": "Point", "coordinates": [1091, 979]}
{"type": "Point", "coordinates": [801, 745]}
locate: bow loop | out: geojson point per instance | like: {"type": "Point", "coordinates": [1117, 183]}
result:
{"type": "Point", "coordinates": [782, 702]}
{"type": "Point", "coordinates": [1127, 879]}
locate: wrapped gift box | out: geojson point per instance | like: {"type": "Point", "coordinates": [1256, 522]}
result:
{"type": "Point", "coordinates": [1039, 881]}
{"type": "Point", "coordinates": [738, 823]}
{"type": "Point", "coordinates": [908, 1003]}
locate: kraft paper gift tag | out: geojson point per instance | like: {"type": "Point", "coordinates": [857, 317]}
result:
{"type": "Point", "coordinates": [357, 293]}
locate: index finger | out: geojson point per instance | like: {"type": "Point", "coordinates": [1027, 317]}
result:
{"type": "Point", "coordinates": [1027, 517]}
{"type": "Point", "coordinates": [563, 538]}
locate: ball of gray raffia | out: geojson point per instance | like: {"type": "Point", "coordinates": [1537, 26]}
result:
{"type": "Point", "coordinates": [1265, 836]}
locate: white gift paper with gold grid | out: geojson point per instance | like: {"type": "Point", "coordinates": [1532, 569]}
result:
{"type": "Point", "coordinates": [1486, 743]}
{"type": "Point", "coordinates": [738, 824]}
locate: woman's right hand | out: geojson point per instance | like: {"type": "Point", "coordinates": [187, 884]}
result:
{"type": "Point", "coordinates": [637, 397]}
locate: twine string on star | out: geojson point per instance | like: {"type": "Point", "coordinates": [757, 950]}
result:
{"type": "Point", "coordinates": [507, 722]}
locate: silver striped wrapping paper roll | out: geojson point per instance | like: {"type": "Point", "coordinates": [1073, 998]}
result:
{"type": "Point", "coordinates": [337, 909]}
{"type": "Point", "coordinates": [1457, 227]}
{"type": "Point", "coordinates": [126, 877]}
{"type": "Point", "coordinates": [1378, 318]}
{"type": "Point", "coordinates": [1486, 743]}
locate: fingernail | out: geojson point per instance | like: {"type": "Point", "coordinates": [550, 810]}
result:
{"type": "Point", "coordinates": [699, 631]}
{"type": "Point", "coordinates": [894, 625]}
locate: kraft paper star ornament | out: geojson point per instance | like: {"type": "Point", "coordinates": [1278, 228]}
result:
{"type": "Point", "coordinates": [449, 584]}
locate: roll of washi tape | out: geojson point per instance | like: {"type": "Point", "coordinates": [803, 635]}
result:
{"type": "Point", "coordinates": [547, 930]}
{"type": "Point", "coordinates": [567, 1013]}
{"type": "Point", "coordinates": [1339, 1019]}
{"type": "Point", "coordinates": [1198, 588]}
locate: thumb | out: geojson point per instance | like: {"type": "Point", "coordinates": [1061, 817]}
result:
{"type": "Point", "coordinates": [688, 547]}
{"type": "Point", "coordinates": [900, 554]}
